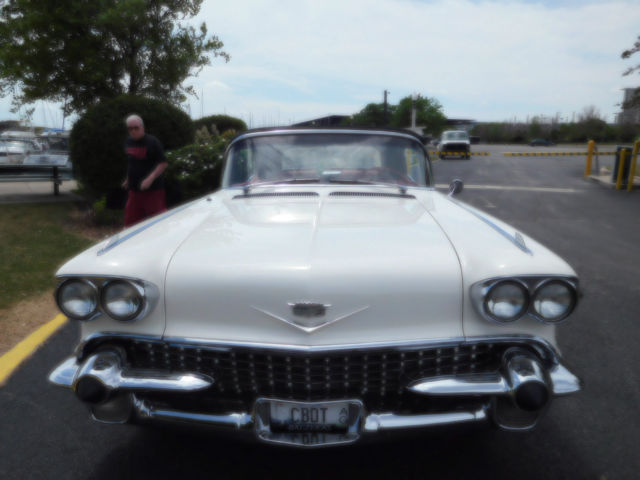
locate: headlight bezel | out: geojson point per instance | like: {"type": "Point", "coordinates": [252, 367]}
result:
{"type": "Point", "coordinates": [532, 284]}
{"type": "Point", "coordinates": [149, 293]}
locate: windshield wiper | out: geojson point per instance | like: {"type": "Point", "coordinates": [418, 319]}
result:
{"type": "Point", "coordinates": [247, 188]}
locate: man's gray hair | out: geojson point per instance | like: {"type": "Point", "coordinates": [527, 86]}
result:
{"type": "Point", "coordinates": [138, 118]}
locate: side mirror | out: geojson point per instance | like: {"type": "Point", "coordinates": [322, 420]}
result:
{"type": "Point", "coordinates": [455, 187]}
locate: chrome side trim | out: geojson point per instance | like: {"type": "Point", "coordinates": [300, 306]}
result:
{"type": "Point", "coordinates": [117, 239]}
{"type": "Point", "coordinates": [517, 239]}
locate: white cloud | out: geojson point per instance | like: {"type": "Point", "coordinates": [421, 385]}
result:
{"type": "Point", "coordinates": [483, 59]}
{"type": "Point", "coordinates": [527, 58]}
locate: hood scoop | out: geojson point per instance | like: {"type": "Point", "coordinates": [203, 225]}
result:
{"type": "Point", "coordinates": [371, 194]}
{"type": "Point", "coordinates": [276, 195]}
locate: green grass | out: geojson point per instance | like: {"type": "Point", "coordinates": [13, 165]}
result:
{"type": "Point", "coordinates": [35, 239]}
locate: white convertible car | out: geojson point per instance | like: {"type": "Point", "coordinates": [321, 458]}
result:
{"type": "Point", "coordinates": [326, 293]}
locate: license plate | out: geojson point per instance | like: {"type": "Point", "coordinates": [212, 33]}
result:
{"type": "Point", "coordinates": [309, 417]}
{"type": "Point", "coordinates": [308, 423]}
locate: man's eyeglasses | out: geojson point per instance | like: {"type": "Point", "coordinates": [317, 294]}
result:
{"type": "Point", "coordinates": [134, 127]}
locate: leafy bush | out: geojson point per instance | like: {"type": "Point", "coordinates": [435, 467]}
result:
{"type": "Point", "coordinates": [106, 216]}
{"type": "Point", "coordinates": [223, 123]}
{"type": "Point", "coordinates": [196, 169]}
{"type": "Point", "coordinates": [97, 139]}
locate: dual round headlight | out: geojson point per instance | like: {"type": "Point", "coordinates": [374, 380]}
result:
{"type": "Point", "coordinates": [507, 301]}
{"type": "Point", "coordinates": [78, 299]}
{"type": "Point", "coordinates": [549, 301]}
{"type": "Point", "coordinates": [81, 299]}
{"type": "Point", "coordinates": [554, 301]}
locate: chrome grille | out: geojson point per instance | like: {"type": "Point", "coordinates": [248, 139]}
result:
{"type": "Point", "coordinates": [376, 376]}
{"type": "Point", "coordinates": [455, 147]}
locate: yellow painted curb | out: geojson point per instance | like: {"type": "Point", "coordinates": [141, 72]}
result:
{"type": "Point", "coordinates": [14, 357]}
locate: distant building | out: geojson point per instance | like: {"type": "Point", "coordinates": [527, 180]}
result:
{"type": "Point", "coordinates": [629, 114]}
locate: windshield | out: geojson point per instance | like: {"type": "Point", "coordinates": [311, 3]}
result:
{"type": "Point", "coordinates": [457, 135]}
{"type": "Point", "coordinates": [326, 158]}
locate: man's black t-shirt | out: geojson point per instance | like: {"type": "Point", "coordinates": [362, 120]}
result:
{"type": "Point", "coordinates": [143, 156]}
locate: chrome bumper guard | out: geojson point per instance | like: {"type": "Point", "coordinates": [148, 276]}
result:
{"type": "Point", "coordinates": [102, 374]}
{"type": "Point", "coordinates": [111, 390]}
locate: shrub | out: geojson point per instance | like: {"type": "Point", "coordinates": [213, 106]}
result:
{"type": "Point", "coordinates": [97, 139]}
{"type": "Point", "coordinates": [196, 169]}
{"type": "Point", "coordinates": [106, 216]}
{"type": "Point", "coordinates": [223, 123]}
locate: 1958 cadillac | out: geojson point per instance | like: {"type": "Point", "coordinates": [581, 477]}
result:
{"type": "Point", "coordinates": [327, 292]}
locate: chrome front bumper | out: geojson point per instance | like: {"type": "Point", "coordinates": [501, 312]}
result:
{"type": "Point", "coordinates": [117, 395]}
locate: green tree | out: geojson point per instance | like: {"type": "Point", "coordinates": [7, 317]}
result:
{"type": "Point", "coordinates": [535, 128]}
{"type": "Point", "coordinates": [82, 52]}
{"type": "Point", "coordinates": [373, 115]}
{"type": "Point", "coordinates": [222, 123]}
{"type": "Point", "coordinates": [635, 99]}
{"type": "Point", "coordinates": [428, 114]}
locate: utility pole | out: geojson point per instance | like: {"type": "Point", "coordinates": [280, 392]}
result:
{"type": "Point", "coordinates": [386, 109]}
{"type": "Point", "coordinates": [414, 99]}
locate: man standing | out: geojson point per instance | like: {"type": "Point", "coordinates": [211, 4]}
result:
{"type": "Point", "coordinates": [145, 179]}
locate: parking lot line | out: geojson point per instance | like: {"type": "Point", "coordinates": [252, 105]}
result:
{"type": "Point", "coordinates": [11, 360]}
{"type": "Point", "coordinates": [511, 187]}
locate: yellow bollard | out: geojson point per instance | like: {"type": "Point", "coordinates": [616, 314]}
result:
{"type": "Point", "coordinates": [632, 169]}
{"type": "Point", "coordinates": [590, 147]}
{"type": "Point", "coordinates": [623, 156]}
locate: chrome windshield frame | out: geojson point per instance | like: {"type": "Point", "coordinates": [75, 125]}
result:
{"type": "Point", "coordinates": [428, 173]}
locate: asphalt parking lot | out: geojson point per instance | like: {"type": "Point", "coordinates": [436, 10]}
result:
{"type": "Point", "coordinates": [46, 433]}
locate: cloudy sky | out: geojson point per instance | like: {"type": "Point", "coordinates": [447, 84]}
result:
{"type": "Point", "coordinates": [294, 60]}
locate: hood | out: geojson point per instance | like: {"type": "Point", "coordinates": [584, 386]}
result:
{"type": "Point", "coordinates": [315, 270]}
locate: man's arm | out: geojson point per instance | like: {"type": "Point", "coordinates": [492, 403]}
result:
{"type": "Point", "coordinates": [155, 173]}
{"type": "Point", "coordinates": [158, 155]}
